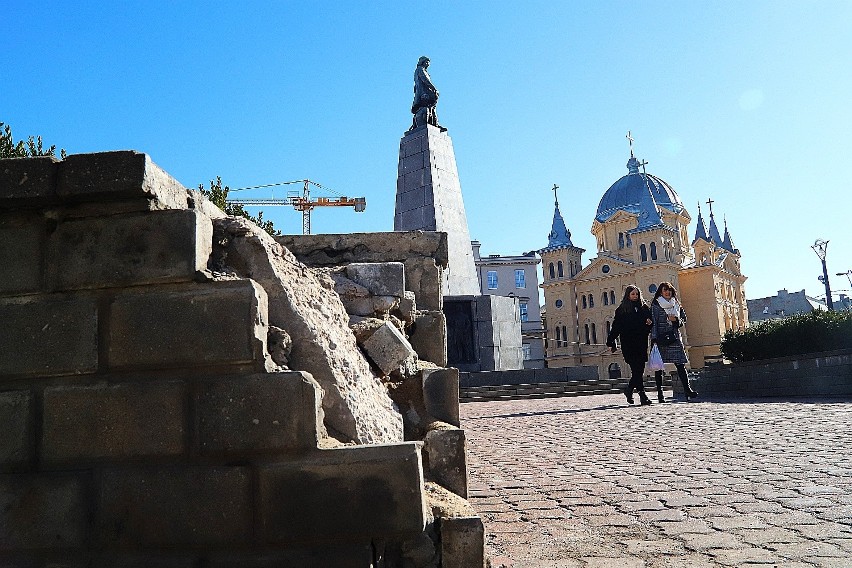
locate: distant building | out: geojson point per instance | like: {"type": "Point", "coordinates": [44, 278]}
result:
{"type": "Point", "coordinates": [783, 305]}
{"type": "Point", "coordinates": [641, 231]}
{"type": "Point", "coordinates": [516, 277]}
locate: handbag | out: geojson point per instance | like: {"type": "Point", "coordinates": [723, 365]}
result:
{"type": "Point", "coordinates": [655, 360]}
{"type": "Point", "coordinates": [667, 338]}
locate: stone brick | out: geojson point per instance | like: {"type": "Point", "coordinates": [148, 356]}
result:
{"type": "Point", "coordinates": [263, 413]}
{"type": "Point", "coordinates": [42, 511]}
{"type": "Point", "coordinates": [337, 556]}
{"type": "Point", "coordinates": [428, 337]}
{"type": "Point", "coordinates": [16, 423]}
{"type": "Point", "coordinates": [445, 453]}
{"type": "Point", "coordinates": [27, 181]}
{"type": "Point", "coordinates": [169, 506]}
{"type": "Point", "coordinates": [345, 494]}
{"type": "Point", "coordinates": [150, 559]}
{"type": "Point", "coordinates": [462, 542]}
{"type": "Point", "coordinates": [388, 347]}
{"type": "Point", "coordinates": [441, 394]}
{"type": "Point", "coordinates": [122, 175]}
{"type": "Point", "coordinates": [113, 422]}
{"type": "Point", "coordinates": [48, 335]}
{"type": "Point", "coordinates": [134, 248]}
{"type": "Point", "coordinates": [21, 254]}
{"type": "Point", "coordinates": [223, 322]}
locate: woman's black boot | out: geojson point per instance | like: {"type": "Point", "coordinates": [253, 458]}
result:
{"type": "Point", "coordinates": [658, 378]}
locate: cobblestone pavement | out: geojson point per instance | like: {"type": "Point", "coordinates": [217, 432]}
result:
{"type": "Point", "coordinates": [591, 482]}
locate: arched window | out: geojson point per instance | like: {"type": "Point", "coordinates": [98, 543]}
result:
{"type": "Point", "coordinates": [643, 252]}
{"type": "Point", "coordinates": [558, 337]}
{"type": "Point", "coordinates": [594, 334]}
{"type": "Point", "coordinates": [612, 297]}
{"type": "Point", "coordinates": [653, 251]}
{"type": "Point", "coordinates": [608, 328]}
{"type": "Point", "coordinates": [629, 241]}
{"type": "Point", "coordinates": [621, 240]}
{"type": "Point", "coordinates": [584, 301]}
{"type": "Point", "coordinates": [605, 298]}
{"type": "Point", "coordinates": [587, 334]}
{"type": "Point", "coordinates": [565, 336]}
{"type": "Point", "coordinates": [559, 269]}
{"type": "Point", "coordinates": [591, 301]}
{"type": "Point", "coordinates": [552, 271]}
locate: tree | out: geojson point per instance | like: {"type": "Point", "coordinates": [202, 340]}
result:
{"type": "Point", "coordinates": [23, 149]}
{"type": "Point", "coordinates": [218, 195]}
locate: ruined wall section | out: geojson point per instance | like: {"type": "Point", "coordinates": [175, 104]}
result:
{"type": "Point", "coordinates": [144, 420]}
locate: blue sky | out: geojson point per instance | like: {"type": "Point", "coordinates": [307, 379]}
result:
{"type": "Point", "coordinates": [746, 103]}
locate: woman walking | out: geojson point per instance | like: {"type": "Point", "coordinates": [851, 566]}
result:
{"type": "Point", "coordinates": [668, 318]}
{"type": "Point", "coordinates": [632, 323]}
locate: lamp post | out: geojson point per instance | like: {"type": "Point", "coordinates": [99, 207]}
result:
{"type": "Point", "coordinates": [848, 275]}
{"type": "Point", "coordinates": [820, 247]}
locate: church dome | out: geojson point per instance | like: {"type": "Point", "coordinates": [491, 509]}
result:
{"type": "Point", "coordinates": [626, 194]}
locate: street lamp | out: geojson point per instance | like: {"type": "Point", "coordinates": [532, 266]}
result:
{"type": "Point", "coordinates": [848, 275]}
{"type": "Point", "coordinates": [820, 247]}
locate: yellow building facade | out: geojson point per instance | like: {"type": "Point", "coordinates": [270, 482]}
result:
{"type": "Point", "coordinates": [641, 230]}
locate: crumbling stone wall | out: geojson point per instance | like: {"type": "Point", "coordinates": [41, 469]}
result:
{"type": "Point", "coordinates": [147, 421]}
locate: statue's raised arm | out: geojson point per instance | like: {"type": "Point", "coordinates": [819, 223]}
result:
{"type": "Point", "coordinates": [425, 96]}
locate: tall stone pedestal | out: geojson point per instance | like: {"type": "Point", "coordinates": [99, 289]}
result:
{"type": "Point", "coordinates": [428, 198]}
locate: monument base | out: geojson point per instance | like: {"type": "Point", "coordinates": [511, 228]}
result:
{"type": "Point", "coordinates": [483, 333]}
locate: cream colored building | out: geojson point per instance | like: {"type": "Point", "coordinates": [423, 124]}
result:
{"type": "Point", "coordinates": [641, 230]}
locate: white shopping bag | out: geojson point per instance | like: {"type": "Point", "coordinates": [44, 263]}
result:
{"type": "Point", "coordinates": [655, 360]}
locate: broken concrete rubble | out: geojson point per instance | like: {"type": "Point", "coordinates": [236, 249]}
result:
{"type": "Point", "coordinates": [388, 348]}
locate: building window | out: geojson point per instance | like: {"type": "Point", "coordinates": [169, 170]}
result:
{"type": "Point", "coordinates": [552, 272]}
{"type": "Point", "coordinates": [608, 328]}
{"type": "Point", "coordinates": [558, 337]}
{"type": "Point", "coordinates": [591, 301]}
{"type": "Point", "coordinates": [558, 303]}
{"type": "Point", "coordinates": [584, 301]}
{"type": "Point", "coordinates": [594, 334]}
{"type": "Point", "coordinates": [612, 297]}
{"type": "Point", "coordinates": [565, 336]}
{"type": "Point", "coordinates": [653, 251]}
{"type": "Point", "coordinates": [605, 269]}
{"type": "Point", "coordinates": [520, 278]}
{"type": "Point", "coordinates": [526, 348]}
{"type": "Point", "coordinates": [522, 306]}
{"type": "Point", "coordinates": [643, 252]}
{"type": "Point", "coordinates": [621, 240]}
{"type": "Point", "coordinates": [559, 268]}
{"type": "Point", "coordinates": [588, 337]}
{"type": "Point", "coordinates": [652, 288]}
{"type": "Point", "coordinates": [605, 298]}
{"type": "Point", "coordinates": [629, 241]}
{"type": "Point", "coordinates": [492, 279]}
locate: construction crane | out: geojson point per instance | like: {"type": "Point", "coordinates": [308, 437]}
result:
{"type": "Point", "coordinates": [303, 202]}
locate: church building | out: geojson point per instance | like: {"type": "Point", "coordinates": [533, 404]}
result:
{"type": "Point", "coordinates": [641, 231]}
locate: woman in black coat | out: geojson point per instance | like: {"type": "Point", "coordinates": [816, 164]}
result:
{"type": "Point", "coordinates": [632, 323]}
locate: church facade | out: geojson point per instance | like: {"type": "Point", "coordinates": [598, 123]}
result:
{"type": "Point", "coordinates": [641, 231]}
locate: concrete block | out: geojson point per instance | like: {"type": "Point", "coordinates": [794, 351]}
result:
{"type": "Point", "coordinates": [462, 542]}
{"type": "Point", "coordinates": [428, 337]}
{"type": "Point", "coordinates": [346, 494]}
{"type": "Point", "coordinates": [380, 278]}
{"type": "Point", "coordinates": [22, 237]}
{"type": "Point", "coordinates": [169, 506]}
{"type": "Point", "coordinates": [28, 182]}
{"type": "Point", "coordinates": [406, 309]}
{"type": "Point", "coordinates": [424, 278]}
{"type": "Point", "coordinates": [134, 248]}
{"type": "Point", "coordinates": [272, 412]}
{"type": "Point", "coordinates": [43, 511]}
{"type": "Point", "coordinates": [48, 335]}
{"type": "Point", "coordinates": [445, 452]}
{"type": "Point", "coordinates": [388, 348]}
{"type": "Point", "coordinates": [113, 422]}
{"type": "Point", "coordinates": [441, 394]}
{"type": "Point", "coordinates": [16, 422]}
{"type": "Point", "coordinates": [122, 175]}
{"type": "Point", "coordinates": [223, 322]}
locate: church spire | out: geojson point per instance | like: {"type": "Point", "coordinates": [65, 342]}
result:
{"type": "Point", "coordinates": [727, 243]}
{"type": "Point", "coordinates": [559, 235]}
{"type": "Point", "coordinates": [715, 237]}
{"type": "Point", "coordinates": [700, 229]}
